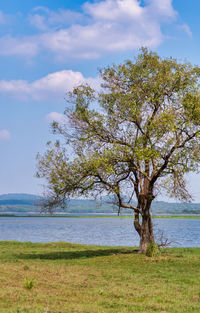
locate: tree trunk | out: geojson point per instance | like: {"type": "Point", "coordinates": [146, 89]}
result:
{"type": "Point", "coordinates": [146, 232]}
{"type": "Point", "coordinates": [145, 227]}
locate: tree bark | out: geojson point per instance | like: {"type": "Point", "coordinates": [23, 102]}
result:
{"type": "Point", "coordinates": [137, 223]}
{"type": "Point", "coordinates": [146, 232]}
{"type": "Point", "coordinates": [146, 227]}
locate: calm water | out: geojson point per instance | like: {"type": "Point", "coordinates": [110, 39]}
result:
{"type": "Point", "coordinates": [98, 231]}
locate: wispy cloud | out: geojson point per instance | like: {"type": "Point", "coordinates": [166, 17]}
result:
{"type": "Point", "coordinates": [26, 46]}
{"type": "Point", "coordinates": [103, 27]}
{"type": "Point", "coordinates": [55, 116]}
{"type": "Point", "coordinates": [4, 18]}
{"type": "Point", "coordinates": [45, 19]}
{"type": "Point", "coordinates": [4, 135]}
{"type": "Point", "coordinates": [49, 87]}
{"type": "Point", "coordinates": [186, 29]}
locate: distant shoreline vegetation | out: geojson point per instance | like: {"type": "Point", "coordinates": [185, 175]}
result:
{"type": "Point", "coordinates": [188, 216]}
{"type": "Point", "coordinates": [26, 204]}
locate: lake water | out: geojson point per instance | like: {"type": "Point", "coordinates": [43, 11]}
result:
{"type": "Point", "coordinates": [96, 231]}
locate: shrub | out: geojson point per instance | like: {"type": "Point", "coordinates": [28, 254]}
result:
{"type": "Point", "coordinates": [152, 250]}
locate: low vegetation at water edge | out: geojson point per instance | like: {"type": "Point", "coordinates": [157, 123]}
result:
{"type": "Point", "coordinates": [63, 277]}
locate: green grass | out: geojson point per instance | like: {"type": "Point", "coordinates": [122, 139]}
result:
{"type": "Point", "coordinates": [178, 216]}
{"type": "Point", "coordinates": [186, 216]}
{"type": "Point", "coordinates": [63, 277]}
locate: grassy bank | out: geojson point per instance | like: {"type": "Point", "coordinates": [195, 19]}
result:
{"type": "Point", "coordinates": [189, 216]}
{"type": "Point", "coordinates": [63, 277]}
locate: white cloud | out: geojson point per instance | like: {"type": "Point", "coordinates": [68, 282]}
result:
{"type": "Point", "coordinates": [4, 135]}
{"type": "Point", "coordinates": [186, 29]}
{"type": "Point", "coordinates": [120, 9]}
{"type": "Point", "coordinates": [162, 9]}
{"type": "Point", "coordinates": [52, 86]}
{"type": "Point", "coordinates": [26, 46]}
{"type": "Point", "coordinates": [57, 117]}
{"type": "Point", "coordinates": [38, 21]}
{"type": "Point", "coordinates": [105, 26]}
{"type": "Point", "coordinates": [45, 19]}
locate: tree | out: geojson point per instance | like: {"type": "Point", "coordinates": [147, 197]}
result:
{"type": "Point", "coordinates": [136, 135]}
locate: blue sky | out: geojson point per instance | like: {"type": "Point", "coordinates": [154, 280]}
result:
{"type": "Point", "coordinates": [47, 47]}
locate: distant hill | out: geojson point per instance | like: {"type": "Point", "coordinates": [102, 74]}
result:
{"type": "Point", "coordinates": [21, 198]}
{"type": "Point", "coordinates": [19, 203]}
{"type": "Point", "coordinates": [29, 204]}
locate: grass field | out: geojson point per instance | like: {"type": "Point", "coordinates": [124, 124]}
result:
{"type": "Point", "coordinates": [63, 277]}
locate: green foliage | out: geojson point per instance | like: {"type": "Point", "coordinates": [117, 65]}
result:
{"type": "Point", "coordinates": [137, 134]}
{"type": "Point", "coordinates": [29, 283]}
{"type": "Point", "coordinates": [153, 250]}
{"type": "Point", "coordinates": [145, 130]}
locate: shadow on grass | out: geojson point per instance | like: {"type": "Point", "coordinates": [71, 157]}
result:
{"type": "Point", "coordinates": [69, 255]}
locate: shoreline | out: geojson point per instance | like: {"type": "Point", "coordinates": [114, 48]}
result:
{"type": "Point", "coordinates": [76, 215]}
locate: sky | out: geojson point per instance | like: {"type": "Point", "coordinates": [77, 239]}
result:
{"type": "Point", "coordinates": [47, 47]}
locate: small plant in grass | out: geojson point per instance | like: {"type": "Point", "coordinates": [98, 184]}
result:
{"type": "Point", "coordinates": [153, 250]}
{"type": "Point", "coordinates": [26, 268]}
{"type": "Point", "coordinates": [29, 283]}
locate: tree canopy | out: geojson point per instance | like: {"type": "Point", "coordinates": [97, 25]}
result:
{"type": "Point", "coordinates": [136, 135]}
